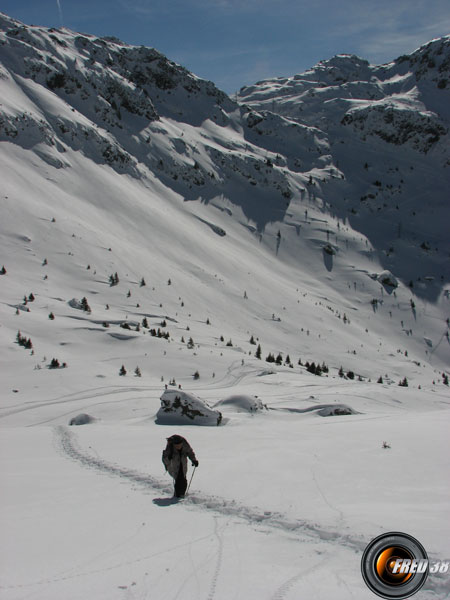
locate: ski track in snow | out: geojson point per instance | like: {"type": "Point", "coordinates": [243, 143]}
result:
{"type": "Point", "coordinates": [212, 590]}
{"type": "Point", "coordinates": [68, 444]}
{"type": "Point", "coordinates": [73, 397]}
{"type": "Point", "coordinates": [286, 587]}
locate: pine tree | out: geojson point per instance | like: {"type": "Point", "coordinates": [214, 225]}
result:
{"type": "Point", "coordinates": [84, 305]}
{"type": "Point", "coordinates": [142, 284]}
{"type": "Point", "coordinates": [51, 316]}
{"type": "Point", "coordinates": [113, 279]}
{"type": "Point", "coordinates": [258, 352]}
{"type": "Point", "coordinates": [137, 372]}
{"type": "Point", "coordinates": [122, 371]}
{"type": "Point", "coordinates": [3, 271]}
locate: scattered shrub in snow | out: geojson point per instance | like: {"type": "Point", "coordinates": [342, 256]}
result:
{"type": "Point", "coordinates": [85, 305]}
{"type": "Point", "coordinates": [80, 304]}
{"type": "Point", "coordinates": [122, 371]}
{"type": "Point", "coordinates": [23, 341]}
{"type": "Point", "coordinates": [113, 279]}
{"type": "Point", "coordinates": [55, 364]}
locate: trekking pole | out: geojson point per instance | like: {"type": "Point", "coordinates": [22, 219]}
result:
{"type": "Point", "coordinates": [190, 481]}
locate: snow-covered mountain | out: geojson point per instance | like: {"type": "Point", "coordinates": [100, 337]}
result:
{"type": "Point", "coordinates": [387, 128]}
{"type": "Point", "coordinates": [345, 177]}
{"type": "Point", "coordinates": [286, 250]}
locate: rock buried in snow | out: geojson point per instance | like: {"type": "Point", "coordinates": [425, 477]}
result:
{"type": "Point", "coordinates": [243, 403]}
{"type": "Point", "coordinates": [182, 408]}
{"type": "Point", "coordinates": [82, 419]}
{"type": "Point", "coordinates": [336, 410]}
{"type": "Point", "coordinates": [386, 278]}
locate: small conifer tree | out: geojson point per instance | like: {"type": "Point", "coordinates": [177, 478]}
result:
{"type": "Point", "coordinates": [85, 305]}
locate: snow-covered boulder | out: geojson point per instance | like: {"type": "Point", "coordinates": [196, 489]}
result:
{"type": "Point", "coordinates": [336, 410]}
{"type": "Point", "coordinates": [81, 419]}
{"type": "Point", "coordinates": [243, 403]}
{"type": "Point", "coordinates": [181, 408]}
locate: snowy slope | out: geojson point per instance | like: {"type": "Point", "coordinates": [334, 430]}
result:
{"type": "Point", "coordinates": [388, 133]}
{"type": "Point", "coordinates": [227, 229]}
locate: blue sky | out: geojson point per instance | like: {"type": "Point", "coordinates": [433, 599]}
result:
{"type": "Point", "coordinates": [238, 42]}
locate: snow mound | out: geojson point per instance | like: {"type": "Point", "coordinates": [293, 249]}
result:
{"type": "Point", "coordinates": [243, 403]}
{"type": "Point", "coordinates": [336, 410]}
{"type": "Point", "coordinates": [182, 408]}
{"type": "Point", "coordinates": [81, 419]}
{"type": "Point", "coordinates": [323, 410]}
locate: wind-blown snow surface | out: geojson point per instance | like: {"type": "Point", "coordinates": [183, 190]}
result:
{"type": "Point", "coordinates": [284, 500]}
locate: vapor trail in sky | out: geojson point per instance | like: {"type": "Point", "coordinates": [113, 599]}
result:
{"type": "Point", "coordinates": [60, 11]}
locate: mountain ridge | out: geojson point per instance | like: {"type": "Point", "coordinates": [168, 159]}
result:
{"type": "Point", "coordinates": [264, 223]}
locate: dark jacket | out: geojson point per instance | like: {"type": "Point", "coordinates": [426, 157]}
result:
{"type": "Point", "coordinates": [172, 458]}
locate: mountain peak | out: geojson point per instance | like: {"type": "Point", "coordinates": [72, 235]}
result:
{"type": "Point", "coordinates": [329, 178]}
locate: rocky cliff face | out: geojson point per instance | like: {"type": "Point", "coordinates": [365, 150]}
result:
{"type": "Point", "coordinates": [367, 144]}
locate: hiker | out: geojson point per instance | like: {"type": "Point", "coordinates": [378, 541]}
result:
{"type": "Point", "coordinates": [175, 458]}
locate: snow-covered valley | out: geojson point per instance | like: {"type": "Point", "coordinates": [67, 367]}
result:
{"type": "Point", "coordinates": [152, 223]}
